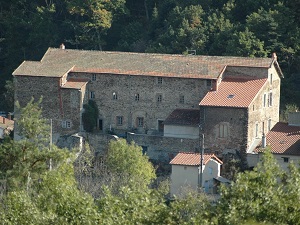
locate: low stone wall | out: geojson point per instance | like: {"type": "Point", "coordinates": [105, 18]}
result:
{"type": "Point", "coordinates": [162, 148]}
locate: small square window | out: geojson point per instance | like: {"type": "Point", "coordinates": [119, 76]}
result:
{"type": "Point", "coordinates": [159, 80]}
{"type": "Point", "coordinates": [181, 99]}
{"type": "Point", "coordinates": [94, 77]}
{"type": "Point", "coordinates": [92, 94]}
{"type": "Point", "coordinates": [66, 124]}
{"type": "Point", "coordinates": [119, 120]}
{"type": "Point", "coordinates": [115, 96]}
{"type": "Point", "coordinates": [285, 159]}
{"type": "Point", "coordinates": [140, 121]}
{"type": "Point", "coordinates": [159, 98]}
{"type": "Point", "coordinates": [137, 97]}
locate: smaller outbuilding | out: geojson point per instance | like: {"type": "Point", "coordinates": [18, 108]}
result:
{"type": "Point", "coordinates": [186, 173]}
{"type": "Point", "coordinates": [284, 142]}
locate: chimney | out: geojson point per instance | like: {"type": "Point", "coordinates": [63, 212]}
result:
{"type": "Point", "coordinates": [263, 141]}
{"type": "Point", "coordinates": [62, 46]}
{"type": "Point", "coordinates": [274, 56]}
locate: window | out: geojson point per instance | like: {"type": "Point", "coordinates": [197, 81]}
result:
{"type": "Point", "coordinates": [265, 100]}
{"type": "Point", "coordinates": [92, 94]}
{"type": "Point", "coordinates": [223, 130]}
{"type": "Point", "coordinates": [269, 124]}
{"type": "Point", "coordinates": [115, 96]}
{"type": "Point", "coordinates": [140, 121]}
{"type": "Point", "coordinates": [208, 83]}
{"type": "Point", "coordinates": [270, 99]}
{"type": "Point", "coordinates": [159, 80]}
{"type": "Point", "coordinates": [137, 97]}
{"type": "Point", "coordinates": [66, 124]}
{"type": "Point", "coordinates": [181, 99]}
{"type": "Point", "coordinates": [210, 170]}
{"type": "Point", "coordinates": [159, 98]}
{"type": "Point", "coordinates": [271, 78]}
{"type": "Point", "coordinates": [285, 159]}
{"type": "Point", "coordinates": [256, 130]}
{"type": "Point", "coordinates": [93, 77]}
{"type": "Point", "coordinates": [119, 120]}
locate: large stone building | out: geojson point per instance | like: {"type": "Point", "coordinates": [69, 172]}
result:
{"type": "Point", "coordinates": [153, 99]}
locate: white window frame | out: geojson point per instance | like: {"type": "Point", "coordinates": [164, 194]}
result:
{"type": "Point", "coordinates": [66, 124]}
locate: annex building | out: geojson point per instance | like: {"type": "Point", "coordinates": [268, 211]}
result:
{"type": "Point", "coordinates": [162, 102]}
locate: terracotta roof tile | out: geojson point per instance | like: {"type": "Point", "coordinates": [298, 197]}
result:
{"type": "Point", "coordinates": [192, 159]}
{"type": "Point", "coordinates": [57, 61]}
{"type": "Point", "coordinates": [183, 117]}
{"type": "Point", "coordinates": [234, 92]}
{"type": "Point", "coordinates": [75, 83]}
{"type": "Point", "coordinates": [283, 139]}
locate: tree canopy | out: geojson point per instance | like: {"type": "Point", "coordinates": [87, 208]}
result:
{"type": "Point", "coordinates": [215, 27]}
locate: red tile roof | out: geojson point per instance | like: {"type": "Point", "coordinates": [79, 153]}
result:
{"type": "Point", "coordinates": [192, 159]}
{"type": "Point", "coordinates": [234, 92]}
{"type": "Point", "coordinates": [56, 62]}
{"type": "Point", "coordinates": [75, 83]}
{"type": "Point", "coordinates": [283, 139]}
{"type": "Point", "coordinates": [183, 117]}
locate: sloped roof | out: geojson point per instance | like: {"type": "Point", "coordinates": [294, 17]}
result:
{"type": "Point", "coordinates": [283, 139]}
{"type": "Point", "coordinates": [234, 92]}
{"type": "Point", "coordinates": [56, 62]}
{"type": "Point", "coordinates": [192, 159]}
{"type": "Point", "coordinates": [183, 117]}
{"type": "Point", "coordinates": [75, 83]}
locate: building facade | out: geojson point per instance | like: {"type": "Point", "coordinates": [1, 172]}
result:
{"type": "Point", "coordinates": [137, 92]}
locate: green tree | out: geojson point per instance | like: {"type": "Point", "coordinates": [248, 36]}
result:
{"type": "Point", "coordinates": [92, 19]}
{"type": "Point", "coordinates": [90, 116]}
{"type": "Point", "coordinates": [257, 195]}
{"type": "Point", "coordinates": [128, 162]}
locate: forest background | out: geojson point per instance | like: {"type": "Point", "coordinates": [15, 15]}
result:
{"type": "Point", "coordinates": [251, 28]}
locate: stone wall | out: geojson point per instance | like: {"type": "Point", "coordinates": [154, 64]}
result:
{"type": "Point", "coordinates": [137, 96]}
{"type": "Point", "coordinates": [162, 148]}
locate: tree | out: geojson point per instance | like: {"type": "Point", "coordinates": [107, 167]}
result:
{"type": "Point", "coordinates": [128, 161]}
{"type": "Point", "coordinates": [36, 194]}
{"type": "Point", "coordinates": [257, 194]}
{"type": "Point", "coordinates": [23, 161]}
{"type": "Point", "coordinates": [90, 116]}
{"type": "Point", "coordinates": [92, 20]}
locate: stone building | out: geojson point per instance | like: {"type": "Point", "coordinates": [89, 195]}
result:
{"type": "Point", "coordinates": [138, 94]}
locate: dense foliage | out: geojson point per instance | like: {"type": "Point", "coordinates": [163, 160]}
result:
{"type": "Point", "coordinates": [42, 184]}
{"type": "Point", "coordinates": [216, 27]}
{"type": "Point", "coordinates": [90, 115]}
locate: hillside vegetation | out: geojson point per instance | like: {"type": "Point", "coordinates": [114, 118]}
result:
{"type": "Point", "coordinates": [253, 28]}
